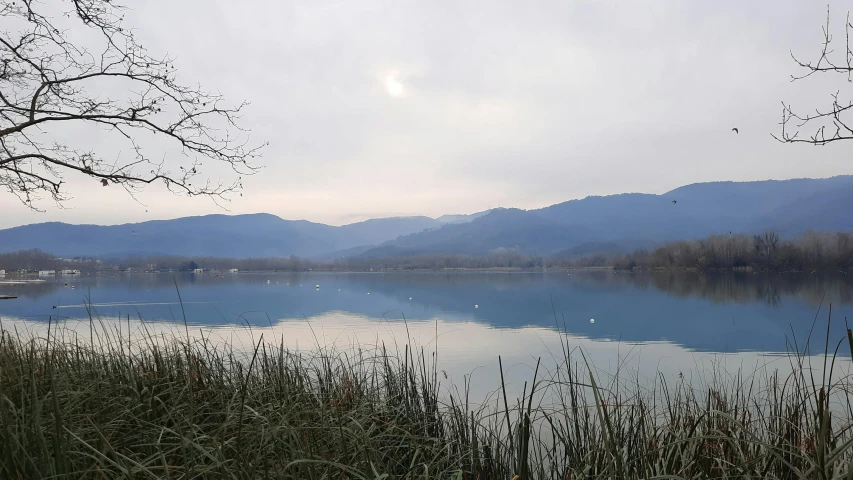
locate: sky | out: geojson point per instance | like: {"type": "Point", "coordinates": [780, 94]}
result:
{"type": "Point", "coordinates": [387, 108]}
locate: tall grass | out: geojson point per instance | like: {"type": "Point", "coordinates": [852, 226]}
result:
{"type": "Point", "coordinates": [180, 408]}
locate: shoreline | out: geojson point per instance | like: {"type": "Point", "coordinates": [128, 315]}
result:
{"type": "Point", "coordinates": [18, 279]}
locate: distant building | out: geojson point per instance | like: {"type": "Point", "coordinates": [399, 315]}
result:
{"type": "Point", "coordinates": [198, 270]}
{"type": "Point", "coordinates": [233, 270]}
{"type": "Point", "coordinates": [47, 272]}
{"type": "Point", "coordinates": [2, 273]}
{"type": "Point", "coordinates": [23, 271]}
{"type": "Point", "coordinates": [70, 272]}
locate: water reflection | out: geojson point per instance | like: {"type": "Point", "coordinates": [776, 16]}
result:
{"type": "Point", "coordinates": [769, 288]}
{"type": "Point", "coordinates": [716, 313]}
{"type": "Point", "coordinates": [750, 287]}
{"type": "Point", "coordinates": [466, 351]}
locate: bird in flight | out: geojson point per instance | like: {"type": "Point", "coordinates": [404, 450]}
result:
{"type": "Point", "coordinates": [736, 130]}
{"type": "Point", "coordinates": [675, 201]}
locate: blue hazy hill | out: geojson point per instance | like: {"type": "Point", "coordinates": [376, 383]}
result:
{"type": "Point", "coordinates": [600, 223]}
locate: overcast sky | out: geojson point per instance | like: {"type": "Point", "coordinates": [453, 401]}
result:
{"type": "Point", "coordinates": [385, 108]}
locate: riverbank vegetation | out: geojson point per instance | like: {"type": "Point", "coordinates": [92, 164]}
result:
{"type": "Point", "coordinates": [170, 408]}
{"type": "Point", "coordinates": [764, 252]}
{"type": "Point", "coordinates": [36, 260]}
{"type": "Point", "coordinates": [813, 251]}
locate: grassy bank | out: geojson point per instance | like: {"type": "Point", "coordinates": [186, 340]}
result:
{"type": "Point", "coordinates": [178, 408]}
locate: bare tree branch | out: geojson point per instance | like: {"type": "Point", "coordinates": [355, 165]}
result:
{"type": "Point", "coordinates": [829, 124]}
{"type": "Point", "coordinates": [48, 80]}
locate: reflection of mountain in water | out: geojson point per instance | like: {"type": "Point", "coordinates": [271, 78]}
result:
{"type": "Point", "coordinates": [751, 287]}
{"type": "Point", "coordinates": [729, 312]}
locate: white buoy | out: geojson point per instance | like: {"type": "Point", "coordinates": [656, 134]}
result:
{"type": "Point", "coordinates": [591, 320]}
{"type": "Point", "coordinates": [268, 281]}
{"type": "Point", "coordinates": [410, 298]}
{"type": "Point", "coordinates": [476, 306]}
{"type": "Point", "coordinates": [318, 286]}
{"type": "Point", "coordinates": [368, 293]}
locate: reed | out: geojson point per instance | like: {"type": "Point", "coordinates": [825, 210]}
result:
{"type": "Point", "coordinates": [180, 408]}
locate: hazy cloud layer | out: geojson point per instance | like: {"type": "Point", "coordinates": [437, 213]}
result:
{"type": "Point", "coordinates": [380, 108]}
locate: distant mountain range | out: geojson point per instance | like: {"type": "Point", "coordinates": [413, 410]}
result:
{"type": "Point", "coordinates": [577, 227]}
{"type": "Point", "coordinates": [237, 236]}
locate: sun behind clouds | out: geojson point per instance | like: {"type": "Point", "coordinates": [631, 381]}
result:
{"type": "Point", "coordinates": [393, 85]}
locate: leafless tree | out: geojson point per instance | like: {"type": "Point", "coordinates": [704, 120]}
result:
{"type": "Point", "coordinates": [72, 63]}
{"type": "Point", "coordinates": [831, 123]}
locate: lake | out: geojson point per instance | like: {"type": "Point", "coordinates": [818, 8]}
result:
{"type": "Point", "coordinates": [669, 323]}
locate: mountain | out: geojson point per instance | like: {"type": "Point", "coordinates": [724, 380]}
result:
{"type": "Point", "coordinates": [622, 222]}
{"type": "Point", "coordinates": [461, 218]}
{"type": "Point", "coordinates": [827, 210]}
{"type": "Point", "coordinates": [378, 230]}
{"type": "Point", "coordinates": [500, 230]}
{"type": "Point", "coordinates": [214, 235]}
{"type": "Point", "coordinates": [364, 235]}
{"type": "Point", "coordinates": [256, 235]}
{"type": "Point", "coordinates": [614, 223]}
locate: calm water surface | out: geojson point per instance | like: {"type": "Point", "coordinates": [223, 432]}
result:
{"type": "Point", "coordinates": [671, 323]}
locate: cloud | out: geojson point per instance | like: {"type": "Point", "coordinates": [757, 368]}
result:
{"type": "Point", "coordinates": [452, 107]}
